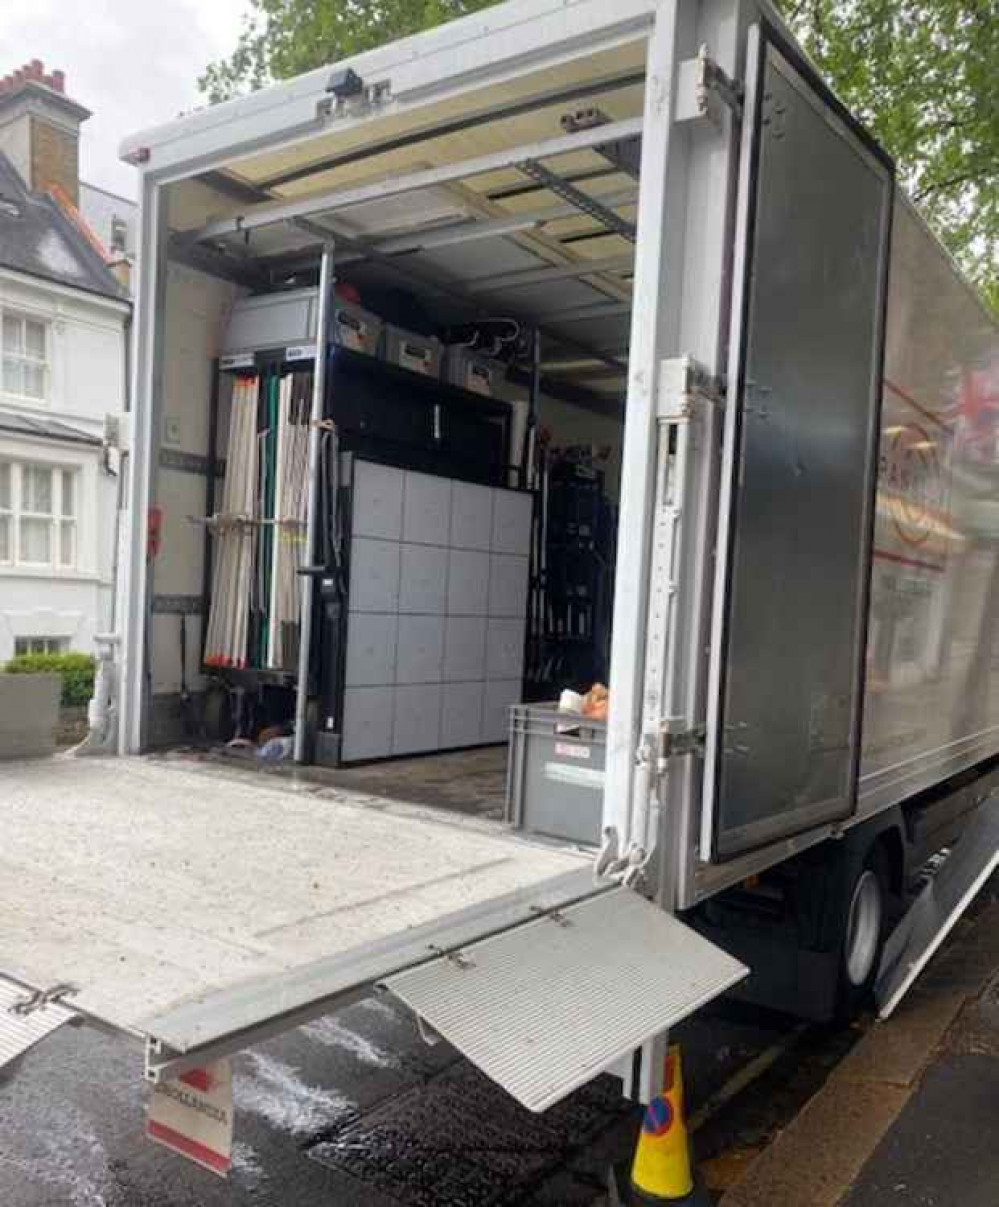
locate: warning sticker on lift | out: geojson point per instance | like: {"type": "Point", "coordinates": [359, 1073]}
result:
{"type": "Point", "coordinates": [192, 1115]}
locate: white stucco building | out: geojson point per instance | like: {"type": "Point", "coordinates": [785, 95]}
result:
{"type": "Point", "coordinates": [64, 321]}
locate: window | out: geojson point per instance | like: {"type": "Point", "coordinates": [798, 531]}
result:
{"type": "Point", "coordinates": [25, 357]}
{"type": "Point", "coordinates": [40, 645]}
{"type": "Point", "coordinates": [119, 234]}
{"type": "Point", "coordinates": [6, 514]}
{"type": "Point", "coordinates": [38, 515]}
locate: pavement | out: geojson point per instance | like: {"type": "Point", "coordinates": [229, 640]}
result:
{"type": "Point", "coordinates": [909, 1118]}
{"type": "Point", "coordinates": [943, 1148]}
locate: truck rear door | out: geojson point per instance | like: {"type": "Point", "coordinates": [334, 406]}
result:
{"type": "Point", "coordinates": [800, 460]}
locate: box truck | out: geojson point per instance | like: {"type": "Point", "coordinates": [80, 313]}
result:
{"type": "Point", "coordinates": [367, 298]}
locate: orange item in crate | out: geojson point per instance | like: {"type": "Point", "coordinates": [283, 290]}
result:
{"type": "Point", "coordinates": [596, 702]}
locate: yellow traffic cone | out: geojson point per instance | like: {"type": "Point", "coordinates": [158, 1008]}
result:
{"type": "Point", "coordinates": [661, 1172]}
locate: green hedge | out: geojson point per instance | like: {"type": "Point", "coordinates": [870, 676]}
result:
{"type": "Point", "coordinates": [77, 672]}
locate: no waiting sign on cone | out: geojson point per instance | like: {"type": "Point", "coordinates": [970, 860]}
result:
{"type": "Point", "coordinates": [661, 1172]}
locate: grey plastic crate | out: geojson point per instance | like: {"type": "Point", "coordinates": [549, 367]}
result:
{"type": "Point", "coordinates": [555, 773]}
{"type": "Point", "coordinates": [356, 328]}
{"type": "Point", "coordinates": [287, 318]}
{"type": "Point", "coordinates": [462, 368]}
{"type": "Point", "coordinates": [417, 353]}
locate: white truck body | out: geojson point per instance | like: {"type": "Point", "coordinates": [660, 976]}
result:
{"type": "Point", "coordinates": [414, 167]}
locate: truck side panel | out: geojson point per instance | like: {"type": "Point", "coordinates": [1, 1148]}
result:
{"type": "Point", "coordinates": [932, 696]}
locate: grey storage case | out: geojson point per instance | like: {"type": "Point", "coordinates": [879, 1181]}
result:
{"type": "Point", "coordinates": [418, 353]}
{"type": "Point", "coordinates": [555, 773]}
{"type": "Point", "coordinates": [462, 368]}
{"type": "Point", "coordinates": [356, 328]}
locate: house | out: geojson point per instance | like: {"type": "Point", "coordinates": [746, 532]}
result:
{"type": "Point", "coordinates": [113, 219]}
{"type": "Point", "coordinates": [64, 322]}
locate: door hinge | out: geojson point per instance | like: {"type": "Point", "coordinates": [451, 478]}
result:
{"type": "Point", "coordinates": [552, 915]}
{"type": "Point", "coordinates": [673, 740]}
{"type": "Point", "coordinates": [40, 998]}
{"type": "Point", "coordinates": [458, 958]}
{"type": "Point", "coordinates": [676, 739]}
{"type": "Point", "coordinates": [685, 385]}
{"type": "Point", "coordinates": [713, 79]}
{"type": "Point", "coordinates": [704, 88]}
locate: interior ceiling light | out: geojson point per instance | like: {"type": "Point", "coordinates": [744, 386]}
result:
{"type": "Point", "coordinates": [406, 212]}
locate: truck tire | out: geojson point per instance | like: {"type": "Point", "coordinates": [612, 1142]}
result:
{"type": "Point", "coordinates": [864, 929]}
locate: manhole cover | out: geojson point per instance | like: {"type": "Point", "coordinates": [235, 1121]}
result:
{"type": "Point", "coordinates": [460, 1141]}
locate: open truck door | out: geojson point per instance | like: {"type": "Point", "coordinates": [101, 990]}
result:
{"type": "Point", "coordinates": [799, 463]}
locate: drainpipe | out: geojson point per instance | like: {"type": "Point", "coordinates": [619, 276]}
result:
{"type": "Point", "coordinates": [102, 708]}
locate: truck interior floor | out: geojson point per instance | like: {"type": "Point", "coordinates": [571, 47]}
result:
{"type": "Point", "coordinates": [464, 781]}
{"type": "Point", "coordinates": [145, 883]}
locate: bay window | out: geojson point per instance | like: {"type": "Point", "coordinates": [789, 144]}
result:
{"type": "Point", "coordinates": [38, 515]}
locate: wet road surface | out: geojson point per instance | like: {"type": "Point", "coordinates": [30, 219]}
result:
{"type": "Point", "coordinates": [351, 1109]}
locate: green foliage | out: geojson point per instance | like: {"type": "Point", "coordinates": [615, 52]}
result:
{"type": "Point", "coordinates": [924, 76]}
{"type": "Point", "coordinates": [77, 671]}
{"type": "Point", "coordinates": [282, 38]}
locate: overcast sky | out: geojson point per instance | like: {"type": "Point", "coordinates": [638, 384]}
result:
{"type": "Point", "coordinates": [133, 63]}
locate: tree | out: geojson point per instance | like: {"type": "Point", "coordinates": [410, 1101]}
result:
{"type": "Point", "coordinates": [923, 75]}
{"type": "Point", "coordinates": [282, 38]}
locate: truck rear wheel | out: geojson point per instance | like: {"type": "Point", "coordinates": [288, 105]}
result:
{"type": "Point", "coordinates": [864, 931]}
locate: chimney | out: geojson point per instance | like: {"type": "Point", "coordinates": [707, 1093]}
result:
{"type": "Point", "coordinates": [40, 129]}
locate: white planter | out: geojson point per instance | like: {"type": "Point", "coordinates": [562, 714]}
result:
{"type": "Point", "coordinates": [29, 715]}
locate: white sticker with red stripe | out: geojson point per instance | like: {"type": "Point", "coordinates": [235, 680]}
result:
{"type": "Point", "coordinates": [192, 1115]}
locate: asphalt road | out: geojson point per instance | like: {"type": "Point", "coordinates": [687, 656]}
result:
{"type": "Point", "coordinates": [351, 1109]}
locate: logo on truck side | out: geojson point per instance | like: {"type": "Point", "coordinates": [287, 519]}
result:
{"type": "Point", "coordinates": [912, 482]}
